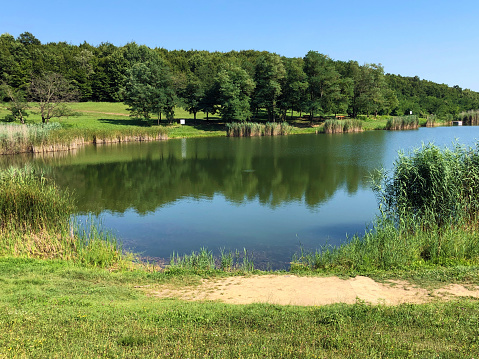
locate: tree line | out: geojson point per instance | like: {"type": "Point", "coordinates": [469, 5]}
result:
{"type": "Point", "coordinates": [236, 85]}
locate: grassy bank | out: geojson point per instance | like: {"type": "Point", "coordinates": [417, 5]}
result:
{"type": "Point", "coordinates": [35, 222]}
{"type": "Point", "coordinates": [54, 309]}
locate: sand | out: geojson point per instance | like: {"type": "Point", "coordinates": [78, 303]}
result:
{"type": "Point", "coordinates": [309, 291]}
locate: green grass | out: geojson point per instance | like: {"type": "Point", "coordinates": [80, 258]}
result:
{"type": "Point", "coordinates": [111, 121]}
{"type": "Point", "coordinates": [56, 309]}
{"type": "Point", "coordinates": [35, 222]}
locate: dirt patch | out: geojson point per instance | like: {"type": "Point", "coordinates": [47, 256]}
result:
{"type": "Point", "coordinates": [310, 291]}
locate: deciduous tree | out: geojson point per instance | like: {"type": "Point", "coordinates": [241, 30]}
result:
{"type": "Point", "coordinates": [323, 83]}
{"type": "Point", "coordinates": [269, 71]}
{"type": "Point", "coordinates": [235, 87]}
{"type": "Point", "coordinates": [52, 91]}
{"type": "Point", "coordinates": [17, 104]}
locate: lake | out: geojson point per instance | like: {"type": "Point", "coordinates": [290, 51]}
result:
{"type": "Point", "coordinates": [270, 195]}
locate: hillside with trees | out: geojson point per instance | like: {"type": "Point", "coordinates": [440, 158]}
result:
{"type": "Point", "coordinates": [235, 85]}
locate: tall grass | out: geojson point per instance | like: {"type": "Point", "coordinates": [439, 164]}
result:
{"type": "Point", "coordinates": [52, 137]}
{"type": "Point", "coordinates": [342, 126]}
{"type": "Point", "coordinates": [22, 138]}
{"type": "Point", "coordinates": [403, 123]}
{"type": "Point", "coordinates": [429, 210]}
{"type": "Point", "coordinates": [251, 129]}
{"type": "Point", "coordinates": [470, 118]}
{"type": "Point", "coordinates": [35, 222]}
{"type": "Point", "coordinates": [30, 202]}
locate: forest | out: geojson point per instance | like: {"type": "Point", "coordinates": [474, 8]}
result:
{"type": "Point", "coordinates": [236, 85]}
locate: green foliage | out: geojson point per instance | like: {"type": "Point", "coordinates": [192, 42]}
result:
{"type": "Point", "coordinates": [17, 104]}
{"type": "Point", "coordinates": [149, 89]}
{"type": "Point", "coordinates": [269, 72]}
{"type": "Point", "coordinates": [323, 83]}
{"type": "Point", "coordinates": [235, 87]}
{"type": "Point", "coordinates": [100, 73]}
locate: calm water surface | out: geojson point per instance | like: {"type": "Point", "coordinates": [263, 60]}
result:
{"type": "Point", "coordinates": [269, 195]}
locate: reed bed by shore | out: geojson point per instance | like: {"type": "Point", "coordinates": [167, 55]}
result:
{"type": "Point", "coordinates": [35, 222]}
{"type": "Point", "coordinates": [38, 138]}
{"type": "Point", "coordinates": [429, 213]}
{"type": "Point", "coordinates": [469, 118]}
{"type": "Point", "coordinates": [401, 123]}
{"type": "Point", "coordinates": [252, 129]}
{"type": "Point", "coordinates": [342, 126]}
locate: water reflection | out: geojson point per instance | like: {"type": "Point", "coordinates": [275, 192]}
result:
{"type": "Point", "coordinates": [272, 171]}
{"type": "Point", "coordinates": [269, 195]}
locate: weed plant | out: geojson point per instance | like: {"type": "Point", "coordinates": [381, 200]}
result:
{"type": "Point", "coordinates": [429, 208]}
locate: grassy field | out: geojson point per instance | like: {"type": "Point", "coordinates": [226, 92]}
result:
{"type": "Point", "coordinates": [105, 117]}
{"type": "Point", "coordinates": [58, 309]}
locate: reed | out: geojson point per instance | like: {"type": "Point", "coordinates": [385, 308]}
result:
{"type": "Point", "coordinates": [402, 123]}
{"type": "Point", "coordinates": [431, 120]}
{"type": "Point", "coordinates": [52, 137]}
{"type": "Point", "coordinates": [469, 118]}
{"type": "Point", "coordinates": [429, 215]}
{"type": "Point", "coordinates": [35, 221]}
{"type": "Point", "coordinates": [29, 202]}
{"type": "Point", "coordinates": [252, 129]}
{"type": "Point", "coordinates": [342, 126]}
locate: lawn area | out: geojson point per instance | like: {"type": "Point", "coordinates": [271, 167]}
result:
{"type": "Point", "coordinates": [58, 309]}
{"type": "Point", "coordinates": [106, 117]}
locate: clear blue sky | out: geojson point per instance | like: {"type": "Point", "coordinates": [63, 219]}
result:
{"type": "Point", "coordinates": [435, 40]}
